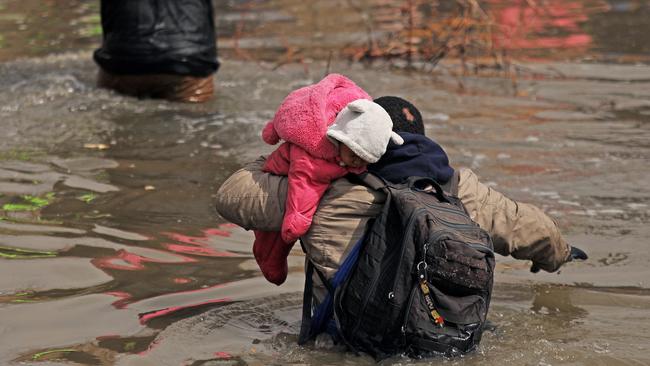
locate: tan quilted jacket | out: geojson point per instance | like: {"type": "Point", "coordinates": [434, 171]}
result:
{"type": "Point", "coordinates": [255, 200]}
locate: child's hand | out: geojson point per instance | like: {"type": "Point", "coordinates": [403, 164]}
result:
{"type": "Point", "coordinates": [294, 226]}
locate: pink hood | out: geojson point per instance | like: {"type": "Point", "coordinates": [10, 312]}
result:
{"type": "Point", "coordinates": [306, 113]}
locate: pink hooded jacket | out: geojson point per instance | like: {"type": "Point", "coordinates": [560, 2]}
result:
{"type": "Point", "coordinates": [309, 160]}
{"type": "Point", "coordinates": [305, 114]}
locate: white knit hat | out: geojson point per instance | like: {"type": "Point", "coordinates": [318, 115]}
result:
{"type": "Point", "coordinates": [365, 127]}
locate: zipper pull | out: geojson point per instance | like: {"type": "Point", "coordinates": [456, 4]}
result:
{"type": "Point", "coordinates": [424, 252]}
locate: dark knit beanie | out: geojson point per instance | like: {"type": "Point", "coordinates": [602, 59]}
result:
{"type": "Point", "coordinates": [406, 118]}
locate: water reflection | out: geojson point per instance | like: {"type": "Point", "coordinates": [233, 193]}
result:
{"type": "Point", "coordinates": [555, 29]}
{"type": "Point", "coordinates": [109, 244]}
{"type": "Point", "coordinates": [555, 300]}
{"type": "Point", "coordinates": [200, 245]}
{"type": "Point", "coordinates": [547, 25]}
{"type": "Point", "coordinates": [552, 29]}
{"type": "Point", "coordinates": [33, 28]}
{"type": "Point", "coordinates": [621, 31]}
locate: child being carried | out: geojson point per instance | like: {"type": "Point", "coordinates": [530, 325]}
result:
{"type": "Point", "coordinates": [330, 129]}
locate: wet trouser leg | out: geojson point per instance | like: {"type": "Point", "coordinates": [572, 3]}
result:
{"type": "Point", "coordinates": [179, 88]}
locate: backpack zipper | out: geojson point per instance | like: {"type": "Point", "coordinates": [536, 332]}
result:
{"type": "Point", "coordinates": [462, 227]}
{"type": "Point", "coordinates": [408, 230]}
{"type": "Point", "coordinates": [478, 246]}
{"type": "Point", "coordinates": [456, 210]}
{"type": "Point", "coordinates": [408, 310]}
{"type": "Point", "coordinates": [481, 248]}
{"type": "Point", "coordinates": [373, 285]}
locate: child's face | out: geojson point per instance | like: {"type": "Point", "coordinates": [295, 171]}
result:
{"type": "Point", "coordinates": [350, 158]}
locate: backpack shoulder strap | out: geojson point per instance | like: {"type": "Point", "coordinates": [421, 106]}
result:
{"type": "Point", "coordinates": [307, 328]}
{"type": "Point", "coordinates": [315, 319]}
{"type": "Point", "coordinates": [377, 183]}
{"type": "Point", "coordinates": [369, 180]}
{"type": "Point", "coordinates": [305, 324]}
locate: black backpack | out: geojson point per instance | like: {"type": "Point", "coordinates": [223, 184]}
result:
{"type": "Point", "coordinates": [419, 282]}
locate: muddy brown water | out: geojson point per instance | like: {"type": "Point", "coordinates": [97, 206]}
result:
{"type": "Point", "coordinates": [111, 252]}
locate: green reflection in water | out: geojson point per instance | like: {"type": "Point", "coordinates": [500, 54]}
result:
{"type": "Point", "coordinates": [49, 352]}
{"type": "Point", "coordinates": [22, 155]}
{"type": "Point", "coordinates": [35, 220]}
{"type": "Point", "coordinates": [48, 295]}
{"type": "Point", "coordinates": [88, 197]}
{"type": "Point", "coordinates": [29, 203]}
{"type": "Point", "coordinates": [17, 253]}
{"type": "Point", "coordinates": [126, 344]}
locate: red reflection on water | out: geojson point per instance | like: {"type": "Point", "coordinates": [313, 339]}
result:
{"type": "Point", "coordinates": [145, 317]}
{"type": "Point", "coordinates": [123, 260]}
{"type": "Point", "coordinates": [181, 280]}
{"type": "Point", "coordinates": [193, 240]}
{"type": "Point", "coordinates": [223, 355]}
{"type": "Point", "coordinates": [549, 24]}
{"type": "Point", "coordinates": [127, 261]}
{"type": "Point", "coordinates": [216, 232]}
{"type": "Point", "coordinates": [123, 301]}
{"type": "Point", "coordinates": [199, 245]}
{"type": "Point", "coordinates": [197, 250]}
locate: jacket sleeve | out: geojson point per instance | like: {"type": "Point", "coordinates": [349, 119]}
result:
{"type": "Point", "coordinates": [252, 198]}
{"type": "Point", "coordinates": [279, 161]}
{"type": "Point", "coordinates": [518, 229]}
{"type": "Point", "coordinates": [309, 178]}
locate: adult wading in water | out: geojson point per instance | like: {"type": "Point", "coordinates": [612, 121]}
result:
{"type": "Point", "coordinates": [158, 49]}
{"type": "Point", "coordinates": [254, 199]}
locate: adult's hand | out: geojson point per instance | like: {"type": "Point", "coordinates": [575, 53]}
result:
{"type": "Point", "coordinates": [575, 254]}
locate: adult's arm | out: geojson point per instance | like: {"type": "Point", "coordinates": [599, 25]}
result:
{"type": "Point", "coordinates": [254, 199]}
{"type": "Point", "coordinates": [518, 229]}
